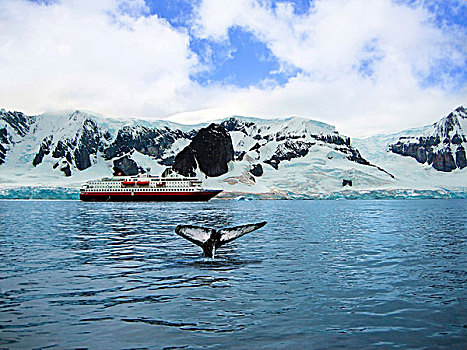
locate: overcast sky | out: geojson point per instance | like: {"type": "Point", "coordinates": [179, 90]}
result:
{"type": "Point", "coordinates": [365, 66]}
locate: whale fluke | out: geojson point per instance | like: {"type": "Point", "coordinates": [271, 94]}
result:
{"type": "Point", "coordinates": [210, 239]}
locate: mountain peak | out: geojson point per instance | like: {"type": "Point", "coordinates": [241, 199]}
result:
{"type": "Point", "coordinates": [454, 123]}
{"type": "Point", "coordinates": [443, 146]}
{"type": "Point", "coordinates": [461, 111]}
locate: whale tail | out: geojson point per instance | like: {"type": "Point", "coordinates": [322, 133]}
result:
{"type": "Point", "coordinates": [210, 239]}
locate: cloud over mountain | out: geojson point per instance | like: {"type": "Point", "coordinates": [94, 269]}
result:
{"type": "Point", "coordinates": [365, 66]}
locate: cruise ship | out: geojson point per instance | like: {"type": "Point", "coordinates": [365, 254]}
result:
{"type": "Point", "coordinates": [146, 188]}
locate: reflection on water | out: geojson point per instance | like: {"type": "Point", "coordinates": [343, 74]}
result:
{"type": "Point", "coordinates": [320, 274]}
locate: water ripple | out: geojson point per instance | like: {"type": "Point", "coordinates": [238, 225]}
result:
{"type": "Point", "coordinates": [350, 274]}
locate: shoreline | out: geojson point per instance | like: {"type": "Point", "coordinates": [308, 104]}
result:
{"type": "Point", "coordinates": [72, 193]}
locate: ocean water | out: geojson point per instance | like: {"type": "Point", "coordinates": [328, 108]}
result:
{"type": "Point", "coordinates": [321, 274]}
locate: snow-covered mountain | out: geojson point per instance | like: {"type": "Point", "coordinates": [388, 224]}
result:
{"type": "Point", "coordinates": [442, 145]}
{"type": "Point", "coordinates": [430, 157]}
{"type": "Point", "coordinates": [286, 157]}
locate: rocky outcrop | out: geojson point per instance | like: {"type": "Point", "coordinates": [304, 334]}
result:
{"type": "Point", "coordinates": [238, 155]}
{"type": "Point", "coordinates": [443, 147]}
{"type": "Point", "coordinates": [444, 161]}
{"type": "Point", "coordinates": [426, 150]}
{"type": "Point", "coordinates": [354, 155]}
{"type": "Point", "coordinates": [461, 161]}
{"type": "Point", "coordinates": [334, 138]}
{"type": "Point", "coordinates": [78, 149]}
{"type": "Point", "coordinates": [234, 124]}
{"type": "Point", "coordinates": [211, 149]}
{"type": "Point", "coordinates": [43, 150]}
{"type": "Point", "coordinates": [255, 147]}
{"type": "Point", "coordinates": [148, 141]}
{"type": "Point", "coordinates": [18, 121]}
{"type": "Point", "coordinates": [65, 168]}
{"type": "Point", "coordinates": [287, 151]}
{"type": "Point", "coordinates": [185, 162]}
{"type": "Point", "coordinates": [126, 166]}
{"type": "Point", "coordinates": [87, 144]}
{"type": "Point", "coordinates": [13, 127]}
{"type": "Point", "coordinates": [256, 170]}
{"type": "Point", "coordinates": [3, 141]}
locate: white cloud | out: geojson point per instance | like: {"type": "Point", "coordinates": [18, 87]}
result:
{"type": "Point", "coordinates": [361, 62]}
{"type": "Point", "coordinates": [100, 55]}
{"type": "Point", "coordinates": [396, 47]}
{"type": "Point", "coordinates": [335, 35]}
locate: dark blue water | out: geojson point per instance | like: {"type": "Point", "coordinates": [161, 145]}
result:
{"type": "Point", "coordinates": [320, 274]}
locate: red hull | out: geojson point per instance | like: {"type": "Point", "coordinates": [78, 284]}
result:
{"type": "Point", "coordinates": [202, 196]}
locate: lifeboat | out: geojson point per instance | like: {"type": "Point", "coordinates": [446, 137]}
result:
{"type": "Point", "coordinates": [142, 183]}
{"type": "Point", "coordinates": [128, 183]}
{"type": "Point", "coordinates": [160, 184]}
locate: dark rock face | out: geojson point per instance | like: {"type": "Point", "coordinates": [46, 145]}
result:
{"type": "Point", "coordinates": [43, 150]}
{"type": "Point", "coordinates": [16, 124]}
{"type": "Point", "coordinates": [211, 149]}
{"type": "Point", "coordinates": [78, 149]}
{"type": "Point", "coordinates": [148, 141]}
{"type": "Point", "coordinates": [255, 147]}
{"type": "Point", "coordinates": [238, 155]}
{"type": "Point", "coordinates": [61, 149]}
{"type": "Point", "coordinates": [20, 122]}
{"type": "Point", "coordinates": [424, 152]}
{"type": "Point", "coordinates": [443, 150]}
{"type": "Point", "coordinates": [169, 161]}
{"type": "Point", "coordinates": [335, 139]}
{"type": "Point", "coordinates": [346, 183]}
{"type": "Point", "coordinates": [185, 162]}
{"type": "Point", "coordinates": [126, 166]}
{"type": "Point", "coordinates": [256, 170]}
{"type": "Point", "coordinates": [3, 151]}
{"type": "Point", "coordinates": [461, 162]}
{"type": "Point", "coordinates": [444, 161]}
{"type": "Point", "coordinates": [354, 155]}
{"type": "Point", "coordinates": [66, 169]}
{"type": "Point", "coordinates": [233, 124]}
{"type": "Point", "coordinates": [3, 141]}
{"type": "Point", "coordinates": [4, 136]}
{"type": "Point", "coordinates": [287, 151]}
{"type": "Point", "coordinates": [88, 144]}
